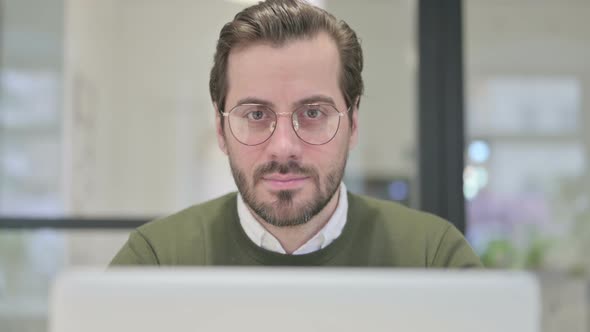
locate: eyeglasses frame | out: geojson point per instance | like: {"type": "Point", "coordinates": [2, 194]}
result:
{"type": "Point", "coordinates": [278, 114]}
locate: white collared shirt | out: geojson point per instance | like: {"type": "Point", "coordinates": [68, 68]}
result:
{"type": "Point", "coordinates": [261, 237]}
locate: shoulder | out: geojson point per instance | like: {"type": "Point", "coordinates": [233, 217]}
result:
{"type": "Point", "coordinates": [191, 223]}
{"type": "Point", "coordinates": [394, 215]}
{"type": "Point", "coordinates": [178, 239]}
{"type": "Point", "coordinates": [193, 219]}
{"type": "Point", "coordinates": [420, 236]}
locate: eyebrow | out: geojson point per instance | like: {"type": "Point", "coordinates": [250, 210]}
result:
{"type": "Point", "coordinates": [314, 99]}
{"type": "Point", "coordinates": [254, 100]}
{"type": "Point", "coordinates": [307, 100]}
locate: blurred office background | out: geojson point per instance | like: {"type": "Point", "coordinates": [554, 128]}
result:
{"type": "Point", "coordinates": [106, 122]}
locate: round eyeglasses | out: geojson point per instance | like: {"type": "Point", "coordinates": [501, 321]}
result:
{"type": "Point", "coordinates": [253, 124]}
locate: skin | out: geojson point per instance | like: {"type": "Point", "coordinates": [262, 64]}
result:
{"type": "Point", "coordinates": [283, 77]}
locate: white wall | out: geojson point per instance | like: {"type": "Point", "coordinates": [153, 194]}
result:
{"type": "Point", "coordinates": [388, 109]}
{"type": "Point", "coordinates": [139, 72]}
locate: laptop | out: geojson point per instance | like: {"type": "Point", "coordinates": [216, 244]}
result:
{"type": "Point", "coordinates": [293, 300]}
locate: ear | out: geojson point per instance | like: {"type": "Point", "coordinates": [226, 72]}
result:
{"type": "Point", "coordinates": [219, 130]}
{"type": "Point", "coordinates": [353, 140]}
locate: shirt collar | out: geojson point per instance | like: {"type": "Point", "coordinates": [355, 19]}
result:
{"type": "Point", "coordinates": [262, 238]}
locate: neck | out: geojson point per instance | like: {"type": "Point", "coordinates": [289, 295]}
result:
{"type": "Point", "coordinates": [293, 237]}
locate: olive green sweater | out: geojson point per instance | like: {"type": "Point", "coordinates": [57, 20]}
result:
{"type": "Point", "coordinates": [377, 233]}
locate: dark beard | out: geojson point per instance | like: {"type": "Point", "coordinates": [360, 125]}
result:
{"type": "Point", "coordinates": [276, 212]}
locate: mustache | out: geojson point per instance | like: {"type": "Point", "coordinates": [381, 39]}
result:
{"type": "Point", "coordinates": [291, 167]}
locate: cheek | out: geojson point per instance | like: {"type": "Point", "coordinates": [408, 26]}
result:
{"type": "Point", "coordinates": [244, 158]}
{"type": "Point", "coordinates": [326, 157]}
{"type": "Point", "coordinates": [339, 145]}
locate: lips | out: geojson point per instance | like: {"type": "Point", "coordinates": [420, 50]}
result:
{"type": "Point", "coordinates": [284, 181]}
{"type": "Point", "coordinates": [284, 178]}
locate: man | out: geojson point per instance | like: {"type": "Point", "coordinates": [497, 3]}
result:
{"type": "Point", "coordinates": [286, 86]}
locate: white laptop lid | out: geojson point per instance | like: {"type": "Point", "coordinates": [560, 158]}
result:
{"type": "Point", "coordinates": [262, 299]}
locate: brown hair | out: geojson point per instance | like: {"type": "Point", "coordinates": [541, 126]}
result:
{"type": "Point", "coordinates": [280, 21]}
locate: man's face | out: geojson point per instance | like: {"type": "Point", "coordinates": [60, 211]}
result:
{"type": "Point", "coordinates": [285, 180]}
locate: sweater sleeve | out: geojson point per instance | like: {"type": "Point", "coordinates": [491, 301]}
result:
{"type": "Point", "coordinates": [136, 251]}
{"type": "Point", "coordinates": [454, 252]}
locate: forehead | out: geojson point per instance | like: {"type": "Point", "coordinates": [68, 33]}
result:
{"type": "Point", "coordinates": [285, 73]}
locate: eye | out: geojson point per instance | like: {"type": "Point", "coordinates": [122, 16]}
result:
{"type": "Point", "coordinates": [312, 113]}
{"type": "Point", "coordinates": [255, 115]}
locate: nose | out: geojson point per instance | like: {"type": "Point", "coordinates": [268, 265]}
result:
{"type": "Point", "coordinates": [284, 145]}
